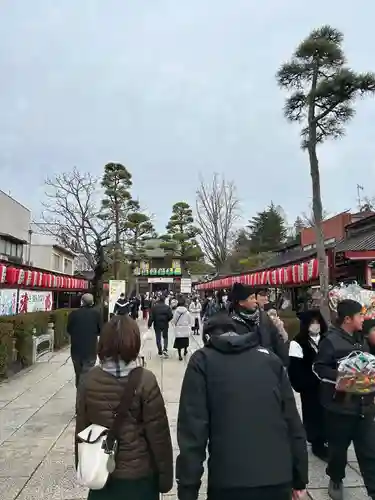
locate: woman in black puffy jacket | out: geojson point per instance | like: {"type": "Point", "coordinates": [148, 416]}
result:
{"type": "Point", "coordinates": [302, 353]}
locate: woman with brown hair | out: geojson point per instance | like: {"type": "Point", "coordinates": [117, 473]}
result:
{"type": "Point", "coordinates": [144, 459]}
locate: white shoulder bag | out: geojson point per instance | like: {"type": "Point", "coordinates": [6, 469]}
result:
{"type": "Point", "coordinates": [97, 445]}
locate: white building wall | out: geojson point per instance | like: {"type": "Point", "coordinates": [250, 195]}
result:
{"type": "Point", "coordinates": [52, 259]}
{"type": "Point", "coordinates": [15, 219]}
{"type": "Point", "coordinates": [41, 256]}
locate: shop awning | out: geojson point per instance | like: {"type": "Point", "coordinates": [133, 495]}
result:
{"type": "Point", "coordinates": [300, 273]}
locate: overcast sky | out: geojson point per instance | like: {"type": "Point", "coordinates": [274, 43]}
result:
{"type": "Point", "coordinates": [172, 89]}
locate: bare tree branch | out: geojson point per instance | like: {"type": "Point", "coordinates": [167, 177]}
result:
{"type": "Point", "coordinates": [217, 208]}
{"type": "Point", "coordinates": [71, 214]}
{"type": "Point", "coordinates": [309, 219]}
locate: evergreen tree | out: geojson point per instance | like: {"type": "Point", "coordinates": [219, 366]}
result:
{"type": "Point", "coordinates": [180, 239]}
{"type": "Point", "coordinates": [243, 257]}
{"type": "Point", "coordinates": [323, 93]}
{"type": "Point", "coordinates": [139, 228]}
{"type": "Point", "coordinates": [116, 204]}
{"type": "Point", "coordinates": [267, 230]}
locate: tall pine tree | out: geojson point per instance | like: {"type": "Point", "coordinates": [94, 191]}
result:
{"type": "Point", "coordinates": [180, 240]}
{"type": "Point", "coordinates": [116, 204]}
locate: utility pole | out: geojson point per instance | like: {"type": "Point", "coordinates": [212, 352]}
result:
{"type": "Point", "coordinates": [359, 200]}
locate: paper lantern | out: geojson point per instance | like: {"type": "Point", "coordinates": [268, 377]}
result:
{"type": "Point", "coordinates": [315, 268]}
{"type": "Point", "coordinates": [3, 273]}
{"type": "Point", "coordinates": [40, 279]}
{"type": "Point", "coordinates": [311, 270]}
{"type": "Point", "coordinates": [28, 278]}
{"type": "Point", "coordinates": [46, 280]}
{"type": "Point", "coordinates": [20, 274]}
{"type": "Point", "coordinates": [11, 277]}
{"type": "Point", "coordinates": [34, 278]}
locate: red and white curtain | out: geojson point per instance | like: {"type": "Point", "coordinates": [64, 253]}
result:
{"type": "Point", "coordinates": [294, 274]}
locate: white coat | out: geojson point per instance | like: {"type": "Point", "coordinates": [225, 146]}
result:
{"type": "Point", "coordinates": [182, 322]}
{"type": "Point", "coordinates": [195, 309]}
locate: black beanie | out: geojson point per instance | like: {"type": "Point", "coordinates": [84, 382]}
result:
{"type": "Point", "coordinates": [241, 292]}
{"type": "Point", "coordinates": [348, 307]}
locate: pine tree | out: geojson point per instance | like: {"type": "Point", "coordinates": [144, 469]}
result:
{"type": "Point", "coordinates": [267, 230]}
{"type": "Point", "coordinates": [116, 204]}
{"type": "Point", "coordinates": [323, 93]}
{"type": "Point", "coordinates": [139, 228]}
{"type": "Point", "coordinates": [180, 239]}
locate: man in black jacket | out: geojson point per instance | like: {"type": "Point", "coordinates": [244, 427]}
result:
{"type": "Point", "coordinates": [122, 306]}
{"type": "Point", "coordinates": [84, 328]}
{"type": "Point", "coordinates": [236, 397]}
{"type": "Point", "coordinates": [160, 316]}
{"type": "Point", "coordinates": [249, 318]}
{"type": "Point", "coordinates": [349, 417]}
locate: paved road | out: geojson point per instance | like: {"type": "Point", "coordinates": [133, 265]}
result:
{"type": "Point", "coordinates": [37, 428]}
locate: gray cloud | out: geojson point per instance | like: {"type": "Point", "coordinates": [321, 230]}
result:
{"type": "Point", "coordinates": [172, 90]}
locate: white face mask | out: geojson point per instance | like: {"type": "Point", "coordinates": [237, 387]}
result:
{"type": "Point", "coordinates": [314, 329]}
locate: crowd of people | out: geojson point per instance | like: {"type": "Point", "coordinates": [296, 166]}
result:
{"type": "Point", "coordinates": [236, 399]}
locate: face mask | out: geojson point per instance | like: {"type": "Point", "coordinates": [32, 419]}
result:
{"type": "Point", "coordinates": [314, 329]}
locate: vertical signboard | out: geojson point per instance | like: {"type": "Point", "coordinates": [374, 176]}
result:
{"type": "Point", "coordinates": [185, 285]}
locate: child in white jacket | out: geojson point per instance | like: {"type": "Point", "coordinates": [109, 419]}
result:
{"type": "Point", "coordinates": [182, 322]}
{"type": "Point", "coordinates": [195, 309]}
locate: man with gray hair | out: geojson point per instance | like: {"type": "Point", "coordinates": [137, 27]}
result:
{"type": "Point", "coordinates": [84, 328]}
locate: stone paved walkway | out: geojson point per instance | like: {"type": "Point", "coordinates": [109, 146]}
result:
{"type": "Point", "coordinates": [37, 429]}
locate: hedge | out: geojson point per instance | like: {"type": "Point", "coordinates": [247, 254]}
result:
{"type": "Point", "coordinates": [16, 333]}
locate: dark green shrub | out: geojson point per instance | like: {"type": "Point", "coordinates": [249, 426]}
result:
{"type": "Point", "coordinates": [60, 320]}
{"type": "Point", "coordinates": [6, 347]}
{"type": "Point", "coordinates": [24, 326]}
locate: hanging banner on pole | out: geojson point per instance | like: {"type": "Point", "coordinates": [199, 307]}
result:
{"type": "Point", "coordinates": [116, 288]}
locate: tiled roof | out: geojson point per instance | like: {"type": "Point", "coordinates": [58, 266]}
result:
{"type": "Point", "coordinates": [285, 258]}
{"type": "Point", "coordinates": [361, 242]}
{"type": "Point", "coordinates": [153, 249]}
{"type": "Point", "coordinates": [291, 257]}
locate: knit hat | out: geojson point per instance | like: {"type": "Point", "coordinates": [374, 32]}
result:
{"type": "Point", "coordinates": [348, 307]}
{"type": "Point", "coordinates": [241, 292]}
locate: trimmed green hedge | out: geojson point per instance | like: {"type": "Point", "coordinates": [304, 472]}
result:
{"type": "Point", "coordinates": [6, 347]}
{"type": "Point", "coordinates": [60, 320]}
{"type": "Point", "coordinates": [18, 330]}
